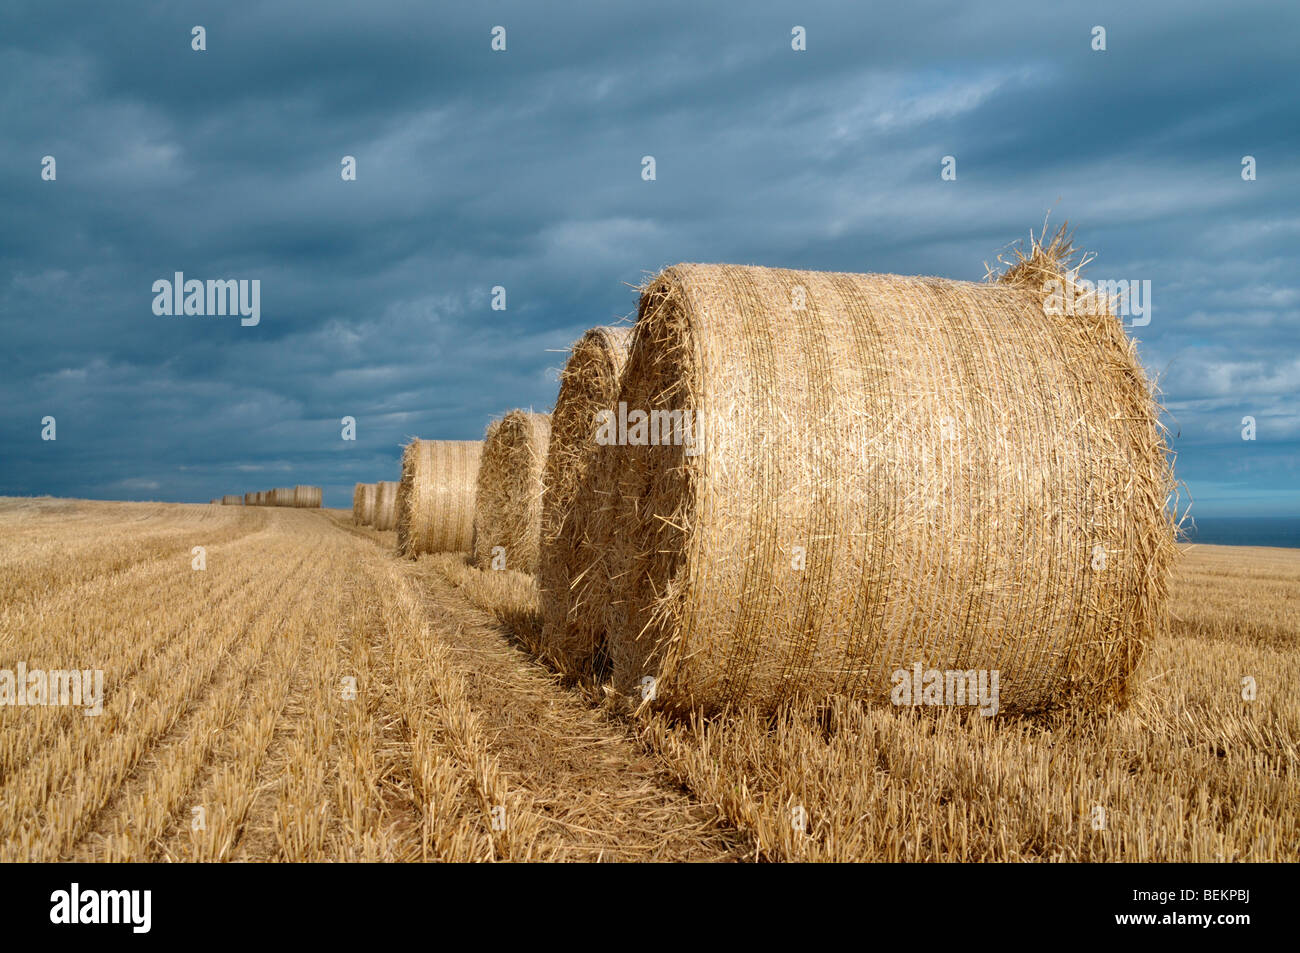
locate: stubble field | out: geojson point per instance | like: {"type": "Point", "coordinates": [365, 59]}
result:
{"type": "Point", "coordinates": [308, 695]}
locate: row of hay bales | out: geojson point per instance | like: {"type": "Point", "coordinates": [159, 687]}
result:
{"type": "Point", "coordinates": [483, 497]}
{"type": "Point", "coordinates": [301, 496]}
{"type": "Point", "coordinates": [375, 504]}
{"type": "Point", "coordinates": [871, 472]}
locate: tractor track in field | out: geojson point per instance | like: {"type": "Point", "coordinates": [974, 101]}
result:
{"type": "Point", "coordinates": [599, 794]}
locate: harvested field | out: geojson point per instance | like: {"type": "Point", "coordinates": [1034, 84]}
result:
{"type": "Point", "coordinates": [235, 699]}
{"type": "Point", "coordinates": [228, 691]}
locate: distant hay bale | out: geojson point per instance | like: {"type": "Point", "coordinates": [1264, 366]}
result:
{"type": "Point", "coordinates": [358, 510]}
{"type": "Point", "coordinates": [230, 499]}
{"type": "Point", "coordinates": [282, 496]}
{"type": "Point", "coordinates": [385, 504]}
{"type": "Point", "coordinates": [307, 496]}
{"type": "Point", "coordinates": [250, 499]}
{"type": "Point", "coordinates": [435, 497]}
{"type": "Point", "coordinates": [895, 472]}
{"type": "Point", "coordinates": [588, 385]}
{"type": "Point", "coordinates": [508, 494]}
{"type": "Point", "coordinates": [369, 496]}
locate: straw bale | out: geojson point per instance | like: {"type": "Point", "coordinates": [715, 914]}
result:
{"type": "Point", "coordinates": [508, 494]}
{"type": "Point", "coordinates": [435, 497]}
{"type": "Point", "coordinates": [894, 471]}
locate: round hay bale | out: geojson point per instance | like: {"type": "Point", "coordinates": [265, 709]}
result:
{"type": "Point", "coordinates": [508, 494]}
{"type": "Point", "coordinates": [369, 497]}
{"type": "Point", "coordinates": [230, 499]}
{"type": "Point", "coordinates": [250, 499]}
{"type": "Point", "coordinates": [385, 504]}
{"type": "Point", "coordinates": [307, 496]}
{"type": "Point", "coordinates": [358, 494]}
{"type": "Point", "coordinates": [588, 385]}
{"type": "Point", "coordinates": [899, 472]}
{"type": "Point", "coordinates": [435, 497]}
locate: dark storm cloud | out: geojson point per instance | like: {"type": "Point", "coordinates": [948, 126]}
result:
{"type": "Point", "coordinates": [522, 169]}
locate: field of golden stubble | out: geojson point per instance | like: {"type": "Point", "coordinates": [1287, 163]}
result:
{"type": "Point", "coordinates": [231, 731]}
{"type": "Point", "coordinates": [304, 696]}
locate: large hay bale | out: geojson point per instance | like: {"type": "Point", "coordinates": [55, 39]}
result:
{"type": "Point", "coordinates": [369, 497]}
{"type": "Point", "coordinates": [902, 471]}
{"type": "Point", "coordinates": [358, 495]}
{"type": "Point", "coordinates": [307, 496]}
{"type": "Point", "coordinates": [385, 504]}
{"type": "Point", "coordinates": [283, 496]}
{"type": "Point", "coordinates": [231, 499]}
{"type": "Point", "coordinates": [588, 385]}
{"type": "Point", "coordinates": [250, 499]}
{"type": "Point", "coordinates": [435, 497]}
{"type": "Point", "coordinates": [508, 494]}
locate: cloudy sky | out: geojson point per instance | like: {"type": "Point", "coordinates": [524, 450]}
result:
{"type": "Point", "coordinates": [523, 169]}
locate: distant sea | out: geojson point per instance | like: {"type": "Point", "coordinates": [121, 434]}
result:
{"type": "Point", "coordinates": [1245, 531]}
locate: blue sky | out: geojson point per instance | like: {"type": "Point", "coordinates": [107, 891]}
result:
{"type": "Point", "coordinates": [522, 169]}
